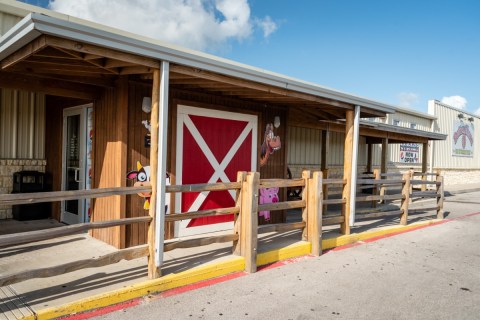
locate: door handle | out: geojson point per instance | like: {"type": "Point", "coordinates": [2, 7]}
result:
{"type": "Point", "coordinates": [77, 174]}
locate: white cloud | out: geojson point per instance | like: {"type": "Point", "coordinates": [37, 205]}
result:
{"type": "Point", "coordinates": [477, 112]}
{"type": "Point", "coordinates": [407, 99]}
{"type": "Point", "coordinates": [455, 101]}
{"type": "Point", "coordinates": [267, 25]}
{"type": "Point", "coordinates": [197, 24]}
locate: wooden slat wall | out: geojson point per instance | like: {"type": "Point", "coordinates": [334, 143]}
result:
{"type": "Point", "coordinates": [110, 141]}
{"type": "Point", "coordinates": [136, 234]}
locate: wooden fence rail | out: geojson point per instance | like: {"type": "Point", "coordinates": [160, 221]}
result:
{"type": "Point", "coordinates": [246, 230]}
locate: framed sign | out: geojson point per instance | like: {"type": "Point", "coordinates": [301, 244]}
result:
{"type": "Point", "coordinates": [462, 139]}
{"type": "Point", "coordinates": [409, 152]}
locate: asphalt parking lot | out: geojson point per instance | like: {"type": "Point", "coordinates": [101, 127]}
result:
{"type": "Point", "coordinates": [429, 273]}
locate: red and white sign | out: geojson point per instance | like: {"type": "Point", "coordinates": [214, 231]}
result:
{"type": "Point", "coordinates": [212, 146]}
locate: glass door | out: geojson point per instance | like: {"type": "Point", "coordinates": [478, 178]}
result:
{"type": "Point", "coordinates": [74, 162]}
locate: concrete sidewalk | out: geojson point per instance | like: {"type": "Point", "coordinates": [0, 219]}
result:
{"type": "Point", "coordinates": [70, 292]}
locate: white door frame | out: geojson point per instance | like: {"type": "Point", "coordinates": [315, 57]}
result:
{"type": "Point", "coordinates": [183, 113]}
{"type": "Point", "coordinates": [81, 110]}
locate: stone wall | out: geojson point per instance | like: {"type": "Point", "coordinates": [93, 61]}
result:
{"type": "Point", "coordinates": [453, 176]}
{"type": "Point", "coordinates": [7, 169]}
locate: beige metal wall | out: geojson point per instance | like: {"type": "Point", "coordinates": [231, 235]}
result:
{"type": "Point", "coordinates": [7, 21]}
{"type": "Point", "coordinates": [305, 147]}
{"type": "Point", "coordinates": [442, 150]}
{"type": "Point", "coordinates": [22, 125]}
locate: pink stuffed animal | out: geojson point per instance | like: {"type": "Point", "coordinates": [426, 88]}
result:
{"type": "Point", "coordinates": [268, 195]}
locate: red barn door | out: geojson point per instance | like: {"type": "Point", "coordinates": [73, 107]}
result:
{"type": "Point", "coordinates": [212, 146]}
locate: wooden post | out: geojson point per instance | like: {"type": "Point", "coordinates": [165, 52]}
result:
{"type": "Point", "coordinates": [153, 270]}
{"type": "Point", "coordinates": [406, 198]}
{"type": "Point", "coordinates": [369, 157]}
{"type": "Point", "coordinates": [347, 172]}
{"type": "Point", "coordinates": [383, 164]}
{"type": "Point", "coordinates": [324, 163]}
{"type": "Point", "coordinates": [249, 221]}
{"type": "Point", "coordinates": [236, 250]}
{"type": "Point", "coordinates": [377, 176]}
{"type": "Point", "coordinates": [424, 164]}
{"type": "Point", "coordinates": [441, 196]}
{"type": "Point", "coordinates": [306, 177]}
{"type": "Point", "coordinates": [314, 212]}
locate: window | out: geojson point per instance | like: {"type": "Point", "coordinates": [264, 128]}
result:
{"type": "Point", "coordinates": [413, 126]}
{"type": "Point", "coordinates": [396, 122]}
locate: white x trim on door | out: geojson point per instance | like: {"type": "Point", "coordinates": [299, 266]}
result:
{"type": "Point", "coordinates": [183, 118]}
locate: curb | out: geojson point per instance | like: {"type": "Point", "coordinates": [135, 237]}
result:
{"type": "Point", "coordinates": [208, 275]}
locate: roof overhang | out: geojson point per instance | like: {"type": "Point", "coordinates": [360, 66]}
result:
{"type": "Point", "coordinates": [35, 25]}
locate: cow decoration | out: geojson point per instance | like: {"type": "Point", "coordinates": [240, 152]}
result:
{"type": "Point", "coordinates": [268, 195]}
{"type": "Point", "coordinates": [142, 177]}
{"type": "Point", "coordinates": [271, 143]}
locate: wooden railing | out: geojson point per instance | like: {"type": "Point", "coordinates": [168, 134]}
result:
{"type": "Point", "coordinates": [244, 236]}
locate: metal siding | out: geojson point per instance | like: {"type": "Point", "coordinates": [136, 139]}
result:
{"type": "Point", "coordinates": [304, 146]}
{"type": "Point", "coordinates": [22, 125]}
{"type": "Point", "coordinates": [406, 119]}
{"type": "Point", "coordinates": [7, 21]}
{"type": "Point", "coordinates": [442, 157]}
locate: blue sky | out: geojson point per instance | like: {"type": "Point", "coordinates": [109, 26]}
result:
{"type": "Point", "coordinates": [399, 52]}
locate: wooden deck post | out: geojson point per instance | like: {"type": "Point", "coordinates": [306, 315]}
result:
{"type": "Point", "coordinates": [377, 176]}
{"type": "Point", "coordinates": [424, 164]}
{"type": "Point", "coordinates": [324, 163]}
{"type": "Point", "coordinates": [406, 198]}
{"type": "Point", "coordinates": [314, 212]}
{"type": "Point", "coordinates": [306, 174]}
{"type": "Point", "coordinates": [383, 164]}
{"type": "Point", "coordinates": [440, 197]}
{"type": "Point", "coordinates": [369, 157]}
{"type": "Point", "coordinates": [249, 221]}
{"type": "Point", "coordinates": [241, 175]}
{"type": "Point", "coordinates": [347, 172]}
{"type": "Point", "coordinates": [153, 270]}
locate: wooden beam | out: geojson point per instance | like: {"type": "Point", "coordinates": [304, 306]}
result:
{"type": "Point", "coordinates": [236, 249]}
{"type": "Point", "coordinates": [306, 176]}
{"type": "Point", "coordinates": [249, 222]}
{"type": "Point", "coordinates": [369, 157]}
{"type": "Point", "coordinates": [424, 164]}
{"type": "Point", "coordinates": [406, 198]}
{"type": "Point", "coordinates": [135, 70]}
{"type": "Point", "coordinates": [89, 49]}
{"type": "Point", "coordinates": [347, 171]}
{"type": "Point", "coordinates": [314, 221]}
{"type": "Point", "coordinates": [25, 52]}
{"type": "Point", "coordinates": [60, 88]}
{"type": "Point", "coordinates": [153, 270]}
{"type": "Point", "coordinates": [384, 156]}
{"type": "Point", "coordinates": [197, 73]}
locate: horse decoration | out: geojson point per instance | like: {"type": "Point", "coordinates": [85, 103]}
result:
{"type": "Point", "coordinates": [271, 143]}
{"type": "Point", "coordinates": [142, 175]}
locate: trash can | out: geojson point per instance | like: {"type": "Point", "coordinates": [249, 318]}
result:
{"type": "Point", "coordinates": [27, 182]}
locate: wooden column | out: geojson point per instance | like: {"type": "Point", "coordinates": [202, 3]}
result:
{"type": "Point", "coordinates": [369, 157]}
{"type": "Point", "coordinates": [406, 198]}
{"type": "Point", "coordinates": [241, 176]}
{"type": "Point", "coordinates": [249, 221]}
{"type": "Point", "coordinates": [153, 270]}
{"type": "Point", "coordinates": [306, 177]}
{"type": "Point", "coordinates": [383, 163]}
{"type": "Point", "coordinates": [314, 212]}
{"type": "Point", "coordinates": [324, 161]}
{"type": "Point", "coordinates": [424, 164]}
{"type": "Point", "coordinates": [440, 197]}
{"type": "Point", "coordinates": [347, 171]}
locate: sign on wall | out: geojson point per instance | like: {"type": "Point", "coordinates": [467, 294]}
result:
{"type": "Point", "coordinates": [462, 139]}
{"type": "Point", "coordinates": [409, 152]}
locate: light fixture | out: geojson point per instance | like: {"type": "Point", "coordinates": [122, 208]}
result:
{"type": "Point", "coordinates": [276, 122]}
{"type": "Point", "coordinates": [147, 104]}
{"type": "Point", "coordinates": [461, 116]}
{"type": "Point", "coordinates": [470, 119]}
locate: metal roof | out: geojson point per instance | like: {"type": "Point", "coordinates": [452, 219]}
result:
{"type": "Point", "coordinates": [35, 24]}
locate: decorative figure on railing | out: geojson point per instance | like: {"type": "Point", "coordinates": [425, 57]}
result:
{"type": "Point", "coordinates": [142, 175]}
{"type": "Point", "coordinates": [268, 195]}
{"type": "Point", "coordinates": [271, 143]}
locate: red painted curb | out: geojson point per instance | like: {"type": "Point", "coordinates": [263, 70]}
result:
{"type": "Point", "coordinates": [104, 310]}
